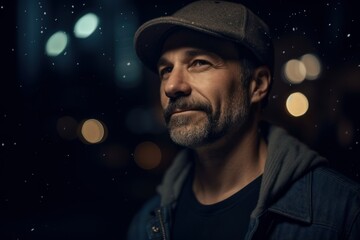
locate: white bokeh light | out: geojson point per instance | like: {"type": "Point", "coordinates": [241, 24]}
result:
{"type": "Point", "coordinates": [294, 71]}
{"type": "Point", "coordinates": [312, 65]}
{"type": "Point", "coordinates": [56, 44]}
{"type": "Point", "coordinates": [86, 25]}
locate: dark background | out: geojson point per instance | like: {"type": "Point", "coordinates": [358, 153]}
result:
{"type": "Point", "coordinates": [53, 185]}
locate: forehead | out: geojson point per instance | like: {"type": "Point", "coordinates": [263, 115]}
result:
{"type": "Point", "coordinates": [191, 39]}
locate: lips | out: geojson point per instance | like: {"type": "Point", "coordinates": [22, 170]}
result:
{"type": "Point", "coordinates": [181, 111]}
{"type": "Point", "coordinates": [181, 105]}
{"type": "Point", "coordinates": [176, 111]}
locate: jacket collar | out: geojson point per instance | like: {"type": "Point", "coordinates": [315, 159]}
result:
{"type": "Point", "coordinates": [175, 176]}
{"type": "Point", "coordinates": [296, 202]}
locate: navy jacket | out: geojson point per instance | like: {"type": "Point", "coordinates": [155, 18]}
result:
{"type": "Point", "coordinates": [300, 198]}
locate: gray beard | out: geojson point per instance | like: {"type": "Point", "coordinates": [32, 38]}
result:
{"type": "Point", "coordinates": [186, 134]}
{"type": "Point", "coordinates": [212, 128]}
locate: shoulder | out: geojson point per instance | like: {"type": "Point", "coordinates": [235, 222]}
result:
{"type": "Point", "coordinates": [327, 180]}
{"type": "Point", "coordinates": [331, 189]}
{"type": "Point", "coordinates": [335, 201]}
{"type": "Point", "coordinates": [138, 224]}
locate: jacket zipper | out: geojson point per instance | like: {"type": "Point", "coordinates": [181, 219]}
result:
{"type": "Point", "coordinates": [161, 224]}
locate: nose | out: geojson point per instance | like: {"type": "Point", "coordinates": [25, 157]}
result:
{"type": "Point", "coordinates": [177, 84]}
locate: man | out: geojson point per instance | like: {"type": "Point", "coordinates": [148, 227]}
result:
{"type": "Point", "coordinates": [239, 178]}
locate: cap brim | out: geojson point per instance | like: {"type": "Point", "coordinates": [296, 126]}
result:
{"type": "Point", "coordinates": [149, 38]}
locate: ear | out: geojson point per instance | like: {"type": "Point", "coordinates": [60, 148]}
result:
{"type": "Point", "coordinates": [260, 84]}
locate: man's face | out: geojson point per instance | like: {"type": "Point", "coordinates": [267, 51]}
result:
{"type": "Point", "coordinates": [201, 89]}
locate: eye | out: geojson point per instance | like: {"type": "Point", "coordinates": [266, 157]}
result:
{"type": "Point", "coordinates": [200, 63]}
{"type": "Point", "coordinates": [165, 70]}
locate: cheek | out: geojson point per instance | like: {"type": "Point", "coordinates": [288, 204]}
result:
{"type": "Point", "coordinates": [163, 97]}
{"type": "Point", "coordinates": [231, 95]}
{"type": "Point", "coordinates": [217, 93]}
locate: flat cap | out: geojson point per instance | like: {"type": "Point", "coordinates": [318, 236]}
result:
{"type": "Point", "coordinates": [226, 20]}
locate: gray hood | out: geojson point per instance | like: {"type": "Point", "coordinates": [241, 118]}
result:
{"type": "Point", "coordinates": [288, 160]}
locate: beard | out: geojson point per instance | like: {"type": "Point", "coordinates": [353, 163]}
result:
{"type": "Point", "coordinates": [188, 131]}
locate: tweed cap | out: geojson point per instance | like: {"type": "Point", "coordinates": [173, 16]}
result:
{"type": "Point", "coordinates": [226, 20]}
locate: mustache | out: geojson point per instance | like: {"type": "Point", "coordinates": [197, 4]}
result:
{"type": "Point", "coordinates": [185, 103]}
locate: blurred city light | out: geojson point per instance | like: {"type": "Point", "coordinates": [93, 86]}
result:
{"type": "Point", "coordinates": [308, 67]}
{"type": "Point", "coordinates": [294, 71]}
{"type": "Point", "coordinates": [147, 155]}
{"type": "Point", "coordinates": [312, 65]}
{"type": "Point", "coordinates": [86, 25]}
{"type": "Point", "coordinates": [93, 131]}
{"type": "Point", "coordinates": [297, 104]}
{"type": "Point", "coordinates": [67, 127]}
{"type": "Point", "coordinates": [56, 44]}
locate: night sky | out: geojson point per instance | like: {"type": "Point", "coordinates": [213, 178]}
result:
{"type": "Point", "coordinates": [56, 185]}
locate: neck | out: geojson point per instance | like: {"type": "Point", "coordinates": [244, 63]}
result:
{"type": "Point", "coordinates": [226, 168]}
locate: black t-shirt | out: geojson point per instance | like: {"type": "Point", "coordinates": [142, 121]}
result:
{"type": "Point", "coordinates": [228, 219]}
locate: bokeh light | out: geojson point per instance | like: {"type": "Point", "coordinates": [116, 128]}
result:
{"type": "Point", "coordinates": [56, 44]}
{"type": "Point", "coordinates": [67, 127]}
{"type": "Point", "coordinates": [297, 104]}
{"type": "Point", "coordinates": [93, 131]}
{"type": "Point", "coordinates": [294, 71]}
{"type": "Point", "coordinates": [312, 65]}
{"type": "Point", "coordinates": [86, 25]}
{"type": "Point", "coordinates": [147, 155]}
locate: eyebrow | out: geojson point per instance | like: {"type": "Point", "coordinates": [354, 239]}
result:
{"type": "Point", "coordinates": [189, 53]}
